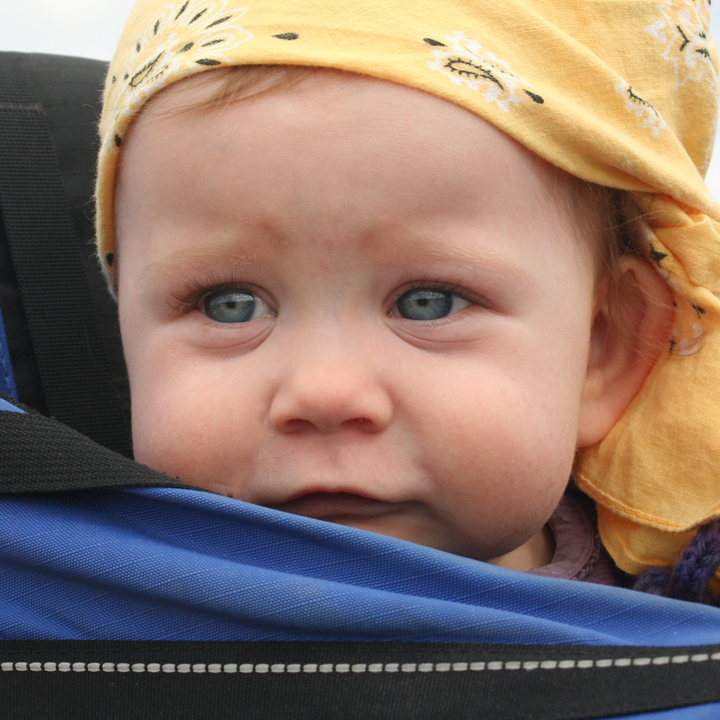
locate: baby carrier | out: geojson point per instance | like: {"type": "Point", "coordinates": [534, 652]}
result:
{"type": "Point", "coordinates": [126, 594]}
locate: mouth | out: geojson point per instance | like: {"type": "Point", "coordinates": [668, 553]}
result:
{"type": "Point", "coordinates": [326, 506]}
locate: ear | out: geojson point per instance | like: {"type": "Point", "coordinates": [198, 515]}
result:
{"type": "Point", "coordinates": [630, 328]}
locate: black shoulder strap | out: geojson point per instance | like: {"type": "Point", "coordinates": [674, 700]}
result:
{"type": "Point", "coordinates": [81, 680]}
{"type": "Point", "coordinates": [40, 454]}
{"type": "Point", "coordinates": [67, 336]}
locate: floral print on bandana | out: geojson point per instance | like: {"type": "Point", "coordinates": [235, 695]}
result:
{"type": "Point", "coordinates": [166, 48]}
{"type": "Point", "coordinates": [640, 107]}
{"type": "Point", "coordinates": [464, 62]}
{"type": "Point", "coordinates": [683, 29]}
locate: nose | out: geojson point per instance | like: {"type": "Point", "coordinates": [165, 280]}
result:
{"type": "Point", "coordinates": [327, 396]}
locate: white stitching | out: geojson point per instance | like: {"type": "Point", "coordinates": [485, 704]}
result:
{"type": "Point", "coordinates": [423, 667]}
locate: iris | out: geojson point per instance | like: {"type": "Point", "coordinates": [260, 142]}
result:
{"type": "Point", "coordinates": [232, 305]}
{"type": "Point", "coordinates": [425, 304]}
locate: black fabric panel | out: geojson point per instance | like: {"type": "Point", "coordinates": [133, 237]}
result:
{"type": "Point", "coordinates": [346, 680]}
{"type": "Point", "coordinates": [40, 454]}
{"type": "Point", "coordinates": [70, 91]}
{"type": "Point", "coordinates": [75, 342]}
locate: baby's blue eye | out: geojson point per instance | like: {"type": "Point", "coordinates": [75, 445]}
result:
{"type": "Point", "coordinates": [235, 305]}
{"type": "Point", "coordinates": [429, 304]}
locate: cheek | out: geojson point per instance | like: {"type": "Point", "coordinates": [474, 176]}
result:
{"type": "Point", "coordinates": [512, 437]}
{"type": "Point", "coordinates": [500, 445]}
{"type": "Point", "coordinates": [518, 410]}
{"type": "Point", "coordinates": [189, 421]}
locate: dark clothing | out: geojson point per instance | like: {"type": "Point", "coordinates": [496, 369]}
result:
{"type": "Point", "coordinates": [579, 552]}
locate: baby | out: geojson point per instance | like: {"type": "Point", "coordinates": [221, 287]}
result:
{"type": "Point", "coordinates": [362, 302]}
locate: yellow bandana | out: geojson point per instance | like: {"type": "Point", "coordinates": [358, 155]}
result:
{"type": "Point", "coordinates": [618, 92]}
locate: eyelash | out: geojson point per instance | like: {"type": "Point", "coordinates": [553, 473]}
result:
{"type": "Point", "coordinates": [450, 287]}
{"type": "Point", "coordinates": [197, 289]}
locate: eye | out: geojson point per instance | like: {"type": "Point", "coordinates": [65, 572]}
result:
{"type": "Point", "coordinates": [235, 305]}
{"type": "Point", "coordinates": [425, 303]}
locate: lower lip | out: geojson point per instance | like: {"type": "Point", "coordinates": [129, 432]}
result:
{"type": "Point", "coordinates": [326, 505]}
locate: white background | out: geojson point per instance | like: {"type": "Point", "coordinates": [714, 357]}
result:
{"type": "Point", "coordinates": [90, 28]}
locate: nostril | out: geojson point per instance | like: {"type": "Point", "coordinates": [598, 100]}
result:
{"type": "Point", "coordinates": [296, 425]}
{"type": "Point", "coordinates": [300, 425]}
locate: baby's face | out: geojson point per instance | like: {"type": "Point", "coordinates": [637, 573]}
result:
{"type": "Point", "coordinates": [356, 302]}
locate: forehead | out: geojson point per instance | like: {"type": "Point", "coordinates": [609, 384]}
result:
{"type": "Point", "coordinates": [408, 125]}
{"type": "Point", "coordinates": [383, 157]}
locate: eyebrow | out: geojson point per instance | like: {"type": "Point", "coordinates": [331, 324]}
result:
{"type": "Point", "coordinates": [193, 260]}
{"type": "Point", "coordinates": [182, 262]}
{"type": "Point", "coordinates": [479, 258]}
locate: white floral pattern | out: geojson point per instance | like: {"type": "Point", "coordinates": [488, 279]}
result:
{"type": "Point", "coordinates": [683, 28]}
{"type": "Point", "coordinates": [465, 63]}
{"type": "Point", "coordinates": [164, 48]}
{"type": "Point", "coordinates": [641, 108]}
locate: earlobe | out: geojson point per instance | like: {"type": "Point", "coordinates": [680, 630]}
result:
{"type": "Point", "coordinates": [630, 328]}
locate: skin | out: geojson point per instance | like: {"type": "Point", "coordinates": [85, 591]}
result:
{"type": "Point", "coordinates": [328, 205]}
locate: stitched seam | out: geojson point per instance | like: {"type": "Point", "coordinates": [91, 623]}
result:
{"type": "Point", "coordinates": [609, 501]}
{"type": "Point", "coordinates": [309, 668]}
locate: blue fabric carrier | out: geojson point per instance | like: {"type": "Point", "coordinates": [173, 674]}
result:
{"type": "Point", "coordinates": [163, 563]}
{"type": "Point", "coordinates": [7, 379]}
{"type": "Point", "coordinates": [9, 407]}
